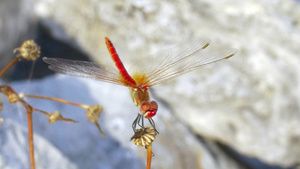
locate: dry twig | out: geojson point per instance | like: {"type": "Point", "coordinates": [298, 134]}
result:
{"type": "Point", "coordinates": [31, 51]}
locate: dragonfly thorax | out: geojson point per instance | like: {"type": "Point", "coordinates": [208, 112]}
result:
{"type": "Point", "coordinates": [141, 98]}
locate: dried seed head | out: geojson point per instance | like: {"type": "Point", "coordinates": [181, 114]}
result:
{"type": "Point", "coordinates": [56, 116]}
{"type": "Point", "coordinates": [144, 136]}
{"type": "Point", "coordinates": [11, 95]}
{"type": "Point", "coordinates": [93, 113]}
{"type": "Point", "coordinates": [29, 50]}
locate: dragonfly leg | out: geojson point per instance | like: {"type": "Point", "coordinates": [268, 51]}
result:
{"type": "Point", "coordinates": [136, 121]}
{"type": "Point", "coordinates": [151, 121]}
{"type": "Point", "coordinates": [139, 120]}
{"type": "Point", "coordinates": [142, 119]}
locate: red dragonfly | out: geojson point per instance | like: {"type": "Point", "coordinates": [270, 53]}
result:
{"type": "Point", "coordinates": [157, 68]}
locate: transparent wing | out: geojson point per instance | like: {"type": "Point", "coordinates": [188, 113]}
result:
{"type": "Point", "coordinates": [84, 69]}
{"type": "Point", "coordinates": [168, 64]}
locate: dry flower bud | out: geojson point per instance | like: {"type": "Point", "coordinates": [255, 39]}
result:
{"type": "Point", "coordinates": [11, 95]}
{"type": "Point", "coordinates": [93, 113]}
{"type": "Point", "coordinates": [29, 50]}
{"type": "Point", "coordinates": [56, 116]}
{"type": "Point", "coordinates": [144, 136]}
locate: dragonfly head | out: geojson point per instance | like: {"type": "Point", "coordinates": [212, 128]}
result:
{"type": "Point", "coordinates": [148, 108]}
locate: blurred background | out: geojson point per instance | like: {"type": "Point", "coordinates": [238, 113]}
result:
{"type": "Point", "coordinates": [241, 113]}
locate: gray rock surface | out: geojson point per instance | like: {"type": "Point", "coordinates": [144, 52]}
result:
{"type": "Point", "coordinates": [175, 147]}
{"type": "Point", "coordinates": [16, 25]}
{"type": "Point", "coordinates": [14, 149]}
{"type": "Point", "coordinates": [250, 102]}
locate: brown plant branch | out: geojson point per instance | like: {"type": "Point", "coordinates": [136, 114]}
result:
{"type": "Point", "coordinates": [92, 112]}
{"type": "Point", "coordinates": [13, 97]}
{"type": "Point", "coordinates": [31, 51]}
{"type": "Point", "coordinates": [30, 136]}
{"type": "Point", "coordinates": [149, 156]}
{"type": "Point", "coordinates": [56, 100]}
{"type": "Point", "coordinates": [9, 65]}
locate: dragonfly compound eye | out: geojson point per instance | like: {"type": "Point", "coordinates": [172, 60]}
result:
{"type": "Point", "coordinates": [145, 106]}
{"type": "Point", "coordinates": [153, 105]}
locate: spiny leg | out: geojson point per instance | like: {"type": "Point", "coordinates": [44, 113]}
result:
{"type": "Point", "coordinates": [151, 121]}
{"type": "Point", "coordinates": [142, 119]}
{"type": "Point", "coordinates": [136, 121]}
{"type": "Point", "coordinates": [139, 120]}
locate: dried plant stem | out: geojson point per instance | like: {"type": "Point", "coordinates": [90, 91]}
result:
{"type": "Point", "coordinates": [30, 132]}
{"type": "Point", "coordinates": [30, 136]}
{"type": "Point", "coordinates": [9, 65]}
{"type": "Point", "coordinates": [57, 100]}
{"type": "Point", "coordinates": [42, 111]}
{"type": "Point", "coordinates": [99, 128]}
{"type": "Point", "coordinates": [149, 156]}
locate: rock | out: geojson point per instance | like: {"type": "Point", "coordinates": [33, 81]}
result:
{"type": "Point", "coordinates": [16, 25]}
{"type": "Point", "coordinates": [14, 149]}
{"type": "Point", "coordinates": [249, 102]}
{"type": "Point", "coordinates": [80, 142]}
{"type": "Point", "coordinates": [175, 147]}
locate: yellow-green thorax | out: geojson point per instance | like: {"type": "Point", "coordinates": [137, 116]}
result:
{"type": "Point", "coordinates": [138, 95]}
